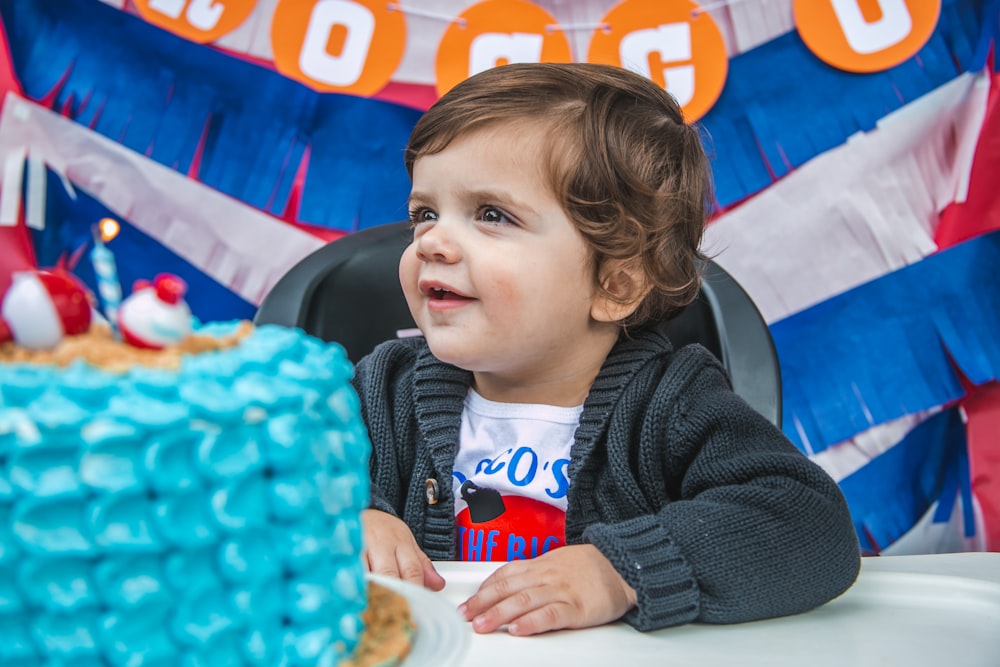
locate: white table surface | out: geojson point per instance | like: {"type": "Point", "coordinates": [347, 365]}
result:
{"type": "Point", "coordinates": [933, 610]}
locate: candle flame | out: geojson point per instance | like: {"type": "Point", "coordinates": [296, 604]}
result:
{"type": "Point", "coordinates": [109, 229]}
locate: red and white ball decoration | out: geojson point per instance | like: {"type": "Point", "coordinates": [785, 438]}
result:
{"type": "Point", "coordinates": [41, 307]}
{"type": "Point", "coordinates": [155, 315]}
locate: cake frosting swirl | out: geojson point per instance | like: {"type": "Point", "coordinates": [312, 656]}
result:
{"type": "Point", "coordinates": [205, 514]}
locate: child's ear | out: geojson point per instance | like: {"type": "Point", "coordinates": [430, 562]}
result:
{"type": "Point", "coordinates": [625, 286]}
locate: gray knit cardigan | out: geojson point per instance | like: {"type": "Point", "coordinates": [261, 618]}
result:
{"type": "Point", "coordinates": [701, 504]}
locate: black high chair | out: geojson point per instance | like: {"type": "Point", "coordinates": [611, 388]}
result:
{"type": "Point", "coordinates": [348, 291]}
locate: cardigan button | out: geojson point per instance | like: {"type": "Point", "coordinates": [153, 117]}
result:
{"type": "Point", "coordinates": [431, 489]}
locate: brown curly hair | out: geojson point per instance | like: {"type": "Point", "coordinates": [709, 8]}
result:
{"type": "Point", "coordinates": [630, 173]}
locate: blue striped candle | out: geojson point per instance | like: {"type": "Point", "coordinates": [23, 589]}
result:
{"type": "Point", "coordinates": [109, 288]}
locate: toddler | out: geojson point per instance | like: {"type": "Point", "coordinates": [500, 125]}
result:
{"type": "Point", "coordinates": [543, 418]}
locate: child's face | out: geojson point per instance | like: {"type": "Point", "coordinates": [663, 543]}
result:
{"type": "Point", "coordinates": [497, 278]}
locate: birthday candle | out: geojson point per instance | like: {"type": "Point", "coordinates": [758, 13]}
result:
{"type": "Point", "coordinates": [109, 288]}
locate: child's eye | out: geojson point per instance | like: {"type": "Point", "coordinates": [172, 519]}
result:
{"type": "Point", "coordinates": [493, 216]}
{"type": "Point", "coordinates": [419, 215]}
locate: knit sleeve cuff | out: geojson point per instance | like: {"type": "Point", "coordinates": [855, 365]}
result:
{"type": "Point", "coordinates": [645, 556]}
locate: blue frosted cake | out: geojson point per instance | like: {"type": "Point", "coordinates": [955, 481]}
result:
{"type": "Point", "coordinates": [192, 506]}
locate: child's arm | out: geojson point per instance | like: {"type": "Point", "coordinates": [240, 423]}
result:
{"type": "Point", "coordinates": [390, 546]}
{"type": "Point", "coordinates": [748, 527]}
{"type": "Point", "coordinates": [571, 587]}
{"type": "Point", "coordinates": [390, 550]}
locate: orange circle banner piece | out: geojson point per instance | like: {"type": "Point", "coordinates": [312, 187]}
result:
{"type": "Point", "coordinates": [497, 32]}
{"type": "Point", "coordinates": [342, 46]}
{"type": "Point", "coordinates": [199, 21]}
{"type": "Point", "coordinates": [675, 44]}
{"type": "Point", "coordinates": [865, 35]}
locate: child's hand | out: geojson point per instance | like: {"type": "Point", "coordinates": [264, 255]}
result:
{"type": "Point", "coordinates": [570, 587]}
{"type": "Point", "coordinates": [390, 550]}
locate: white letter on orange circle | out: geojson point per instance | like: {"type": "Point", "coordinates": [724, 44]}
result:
{"type": "Point", "coordinates": [202, 14]}
{"type": "Point", "coordinates": [346, 68]}
{"type": "Point", "coordinates": [673, 43]}
{"type": "Point", "coordinates": [343, 46]}
{"type": "Point", "coordinates": [492, 49]}
{"type": "Point", "coordinates": [865, 35]}
{"type": "Point", "coordinates": [497, 32]}
{"type": "Point", "coordinates": [171, 8]}
{"type": "Point", "coordinates": [868, 37]}
{"type": "Point", "coordinates": [676, 44]}
{"type": "Point", "coordinates": [201, 21]}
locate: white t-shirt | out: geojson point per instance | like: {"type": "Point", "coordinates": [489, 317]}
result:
{"type": "Point", "coordinates": [510, 478]}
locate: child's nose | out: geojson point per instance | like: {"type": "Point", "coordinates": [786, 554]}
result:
{"type": "Point", "coordinates": [437, 244]}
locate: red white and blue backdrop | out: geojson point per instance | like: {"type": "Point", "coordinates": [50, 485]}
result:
{"type": "Point", "coordinates": [855, 143]}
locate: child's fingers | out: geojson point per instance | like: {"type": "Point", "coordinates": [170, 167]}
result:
{"type": "Point", "coordinates": [404, 562]}
{"type": "Point", "coordinates": [503, 582]}
{"type": "Point", "coordinates": [528, 611]}
{"type": "Point", "coordinates": [507, 594]}
{"type": "Point", "coordinates": [383, 562]}
{"type": "Point", "coordinates": [409, 562]}
{"type": "Point", "coordinates": [432, 579]}
{"type": "Point", "coordinates": [391, 551]}
{"type": "Point", "coordinates": [550, 617]}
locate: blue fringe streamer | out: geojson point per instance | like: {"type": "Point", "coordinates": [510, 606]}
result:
{"type": "Point", "coordinates": [891, 347]}
{"type": "Point", "coordinates": [161, 96]}
{"type": "Point", "coordinates": [957, 480]}
{"type": "Point", "coordinates": [891, 493]}
{"type": "Point", "coordinates": [782, 105]}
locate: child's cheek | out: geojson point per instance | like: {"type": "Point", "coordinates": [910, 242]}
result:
{"type": "Point", "coordinates": [507, 299]}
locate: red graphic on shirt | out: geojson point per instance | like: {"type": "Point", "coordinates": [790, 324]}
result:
{"type": "Point", "coordinates": [505, 528]}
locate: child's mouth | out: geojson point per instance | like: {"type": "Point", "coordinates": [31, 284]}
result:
{"type": "Point", "coordinates": [444, 295]}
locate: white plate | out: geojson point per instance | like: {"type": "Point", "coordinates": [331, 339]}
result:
{"type": "Point", "coordinates": [442, 636]}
